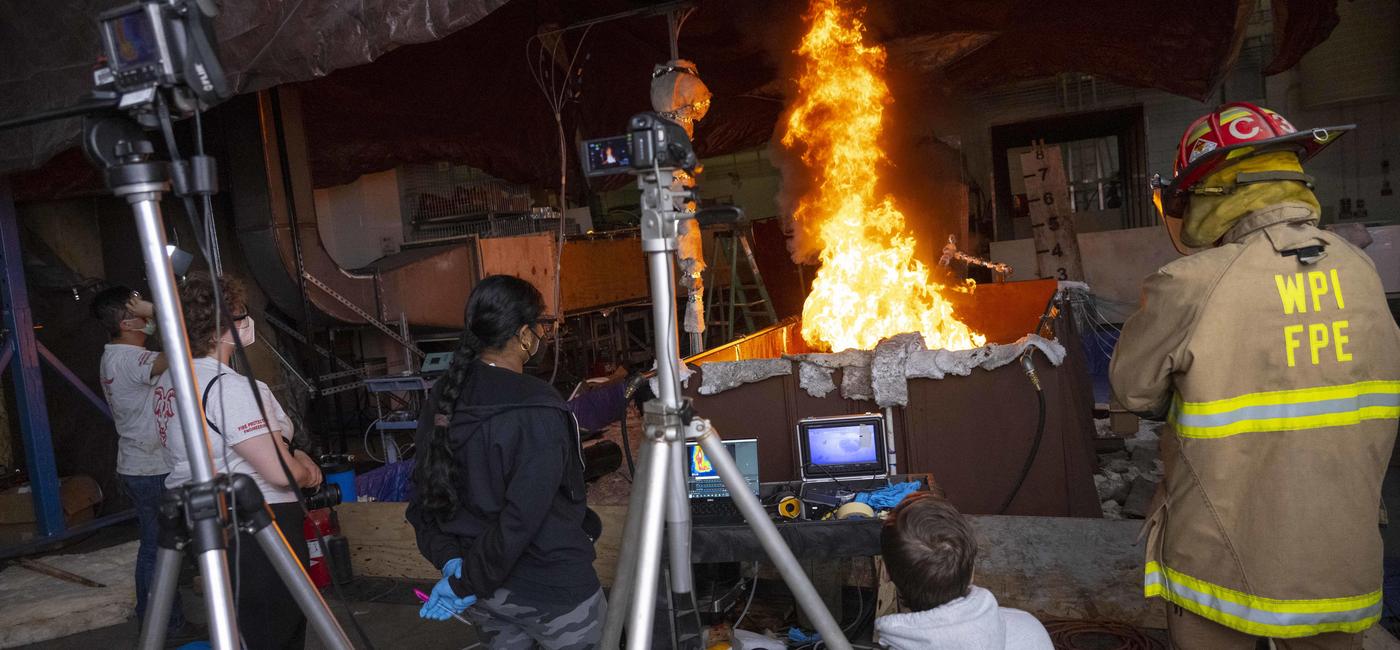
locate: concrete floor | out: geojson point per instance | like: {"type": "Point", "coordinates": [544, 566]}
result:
{"type": "Point", "coordinates": [391, 621]}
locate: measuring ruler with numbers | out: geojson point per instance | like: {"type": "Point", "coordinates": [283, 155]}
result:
{"type": "Point", "coordinates": [1052, 222]}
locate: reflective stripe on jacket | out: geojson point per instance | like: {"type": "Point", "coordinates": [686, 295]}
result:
{"type": "Point", "coordinates": [1280, 381]}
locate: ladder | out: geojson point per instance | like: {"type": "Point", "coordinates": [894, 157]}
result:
{"type": "Point", "coordinates": [744, 295]}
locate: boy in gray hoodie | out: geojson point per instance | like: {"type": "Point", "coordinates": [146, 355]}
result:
{"type": "Point", "coordinates": [930, 551]}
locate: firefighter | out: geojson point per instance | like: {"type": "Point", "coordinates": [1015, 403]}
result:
{"type": "Point", "coordinates": [1276, 361]}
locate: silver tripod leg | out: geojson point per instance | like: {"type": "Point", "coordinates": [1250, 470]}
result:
{"type": "Point", "coordinates": [164, 583]}
{"type": "Point", "coordinates": [218, 587]}
{"type": "Point", "coordinates": [767, 534]}
{"type": "Point", "coordinates": [648, 552]}
{"type": "Point", "coordinates": [678, 521]}
{"type": "Point", "coordinates": [275, 547]}
{"type": "Point", "coordinates": [620, 597]}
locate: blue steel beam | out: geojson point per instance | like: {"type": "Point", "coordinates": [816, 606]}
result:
{"type": "Point", "coordinates": [28, 378]}
{"type": "Point", "coordinates": [73, 380]}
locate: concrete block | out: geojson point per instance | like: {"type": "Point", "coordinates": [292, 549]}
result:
{"type": "Point", "coordinates": [1065, 567]}
{"type": "Point", "coordinates": [1139, 498]}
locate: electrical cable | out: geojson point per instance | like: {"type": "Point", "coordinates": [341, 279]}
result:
{"type": "Point", "coordinates": [365, 442]}
{"type": "Point", "coordinates": [1097, 634]}
{"type": "Point", "coordinates": [1027, 362]}
{"type": "Point", "coordinates": [752, 590]}
{"type": "Point", "coordinates": [627, 443]}
{"type": "Point", "coordinates": [556, 98]}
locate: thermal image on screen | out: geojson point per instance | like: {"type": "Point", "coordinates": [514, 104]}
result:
{"type": "Point", "coordinates": [608, 154]}
{"type": "Point", "coordinates": [842, 445]}
{"type": "Point", "coordinates": [134, 40]}
{"type": "Point", "coordinates": [700, 466]}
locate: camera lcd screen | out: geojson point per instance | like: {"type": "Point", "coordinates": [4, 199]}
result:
{"type": "Point", "coordinates": [608, 155]}
{"type": "Point", "coordinates": [133, 41]}
{"type": "Point", "coordinates": [842, 444]}
{"type": "Point", "coordinates": [846, 446]}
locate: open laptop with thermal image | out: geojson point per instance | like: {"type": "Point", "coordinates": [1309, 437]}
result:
{"type": "Point", "coordinates": [710, 502]}
{"type": "Point", "coordinates": [846, 447]}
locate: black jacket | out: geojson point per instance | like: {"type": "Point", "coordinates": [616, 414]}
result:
{"type": "Point", "coordinates": [520, 521]}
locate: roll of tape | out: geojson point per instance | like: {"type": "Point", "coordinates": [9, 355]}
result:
{"type": "Point", "coordinates": [855, 509]}
{"type": "Point", "coordinates": [790, 507]}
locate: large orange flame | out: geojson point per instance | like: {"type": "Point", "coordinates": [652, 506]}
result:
{"type": "Point", "coordinates": [869, 285]}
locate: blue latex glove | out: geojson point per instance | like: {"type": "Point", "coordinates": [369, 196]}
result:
{"type": "Point", "coordinates": [889, 496]}
{"type": "Point", "coordinates": [443, 602]}
{"type": "Point", "coordinates": [452, 568]}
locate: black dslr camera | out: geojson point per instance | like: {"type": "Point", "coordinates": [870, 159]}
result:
{"type": "Point", "coordinates": [652, 142]}
{"type": "Point", "coordinates": [324, 496]}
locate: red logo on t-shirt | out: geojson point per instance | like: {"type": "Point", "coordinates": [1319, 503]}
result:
{"type": "Point", "coordinates": [164, 409]}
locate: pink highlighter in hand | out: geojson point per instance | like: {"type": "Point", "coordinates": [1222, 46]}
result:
{"type": "Point", "coordinates": [424, 597]}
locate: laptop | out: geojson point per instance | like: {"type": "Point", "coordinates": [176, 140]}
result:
{"type": "Point", "coordinates": [710, 501]}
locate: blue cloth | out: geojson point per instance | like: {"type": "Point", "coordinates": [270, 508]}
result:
{"type": "Point", "coordinates": [144, 493]}
{"type": "Point", "coordinates": [796, 635]}
{"type": "Point", "coordinates": [597, 409]}
{"type": "Point", "coordinates": [889, 496]}
{"type": "Point", "coordinates": [387, 483]}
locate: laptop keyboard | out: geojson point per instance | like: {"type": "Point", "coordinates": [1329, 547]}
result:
{"type": "Point", "coordinates": [714, 511]}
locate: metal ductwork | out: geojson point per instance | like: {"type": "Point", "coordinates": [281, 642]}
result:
{"type": "Point", "coordinates": [274, 216]}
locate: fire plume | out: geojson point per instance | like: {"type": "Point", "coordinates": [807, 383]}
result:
{"type": "Point", "coordinates": [869, 285]}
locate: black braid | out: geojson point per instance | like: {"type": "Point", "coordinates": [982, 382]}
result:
{"type": "Point", "coordinates": [497, 308]}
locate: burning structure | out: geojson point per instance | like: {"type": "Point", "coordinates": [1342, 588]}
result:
{"type": "Point", "coordinates": [878, 326]}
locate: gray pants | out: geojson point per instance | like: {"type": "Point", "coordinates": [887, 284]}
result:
{"type": "Point", "coordinates": [505, 620]}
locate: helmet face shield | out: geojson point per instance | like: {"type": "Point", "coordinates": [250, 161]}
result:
{"type": "Point", "coordinates": [1171, 219]}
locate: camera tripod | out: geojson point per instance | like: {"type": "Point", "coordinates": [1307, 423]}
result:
{"type": "Point", "coordinates": [193, 515]}
{"type": "Point", "coordinates": [659, 502]}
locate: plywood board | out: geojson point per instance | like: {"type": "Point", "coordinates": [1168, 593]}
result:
{"type": "Point", "coordinates": [602, 272]}
{"type": "Point", "coordinates": [529, 257]}
{"type": "Point", "coordinates": [382, 543]}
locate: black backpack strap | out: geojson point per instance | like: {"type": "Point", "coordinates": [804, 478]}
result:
{"type": "Point", "coordinates": [205, 401]}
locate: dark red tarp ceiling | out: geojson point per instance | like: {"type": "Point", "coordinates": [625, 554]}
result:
{"type": "Point", "coordinates": [469, 97]}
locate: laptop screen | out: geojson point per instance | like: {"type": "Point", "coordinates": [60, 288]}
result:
{"type": "Point", "coordinates": [841, 447]}
{"type": "Point", "coordinates": [702, 479]}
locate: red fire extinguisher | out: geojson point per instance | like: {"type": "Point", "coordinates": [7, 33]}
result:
{"type": "Point", "coordinates": [317, 568]}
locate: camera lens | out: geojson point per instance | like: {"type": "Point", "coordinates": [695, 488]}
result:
{"type": "Point", "coordinates": [323, 497]}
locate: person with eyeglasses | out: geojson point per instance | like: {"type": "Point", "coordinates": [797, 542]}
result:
{"type": "Point", "coordinates": [244, 440]}
{"type": "Point", "coordinates": [498, 497]}
{"type": "Point", "coordinates": [128, 372]}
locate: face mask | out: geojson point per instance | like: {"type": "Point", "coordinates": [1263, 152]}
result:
{"type": "Point", "coordinates": [247, 334]}
{"type": "Point", "coordinates": [150, 328]}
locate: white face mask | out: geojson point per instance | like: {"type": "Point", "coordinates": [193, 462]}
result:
{"type": "Point", "coordinates": [247, 334]}
{"type": "Point", "coordinates": [150, 328]}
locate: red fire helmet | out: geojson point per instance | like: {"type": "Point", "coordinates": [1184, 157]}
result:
{"type": "Point", "coordinates": [1232, 132]}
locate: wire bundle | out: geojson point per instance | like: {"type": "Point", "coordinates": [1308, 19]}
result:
{"type": "Point", "coordinates": [1067, 635]}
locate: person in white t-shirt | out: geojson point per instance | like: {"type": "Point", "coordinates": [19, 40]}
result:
{"type": "Point", "coordinates": [128, 374]}
{"type": "Point", "coordinates": [243, 441]}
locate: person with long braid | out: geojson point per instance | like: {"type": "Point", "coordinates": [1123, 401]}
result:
{"type": "Point", "coordinates": [498, 501]}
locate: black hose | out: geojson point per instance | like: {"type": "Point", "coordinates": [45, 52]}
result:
{"type": "Point", "coordinates": [630, 388]}
{"type": "Point", "coordinates": [627, 444]}
{"type": "Point", "coordinates": [1039, 433]}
